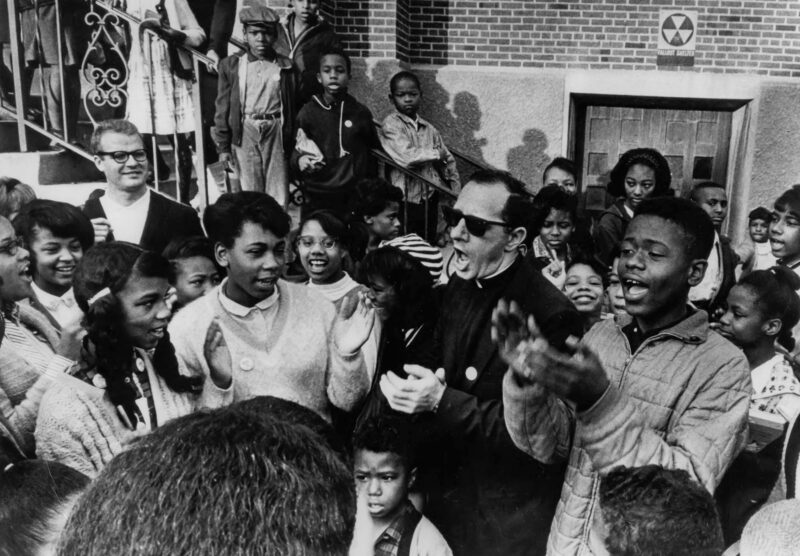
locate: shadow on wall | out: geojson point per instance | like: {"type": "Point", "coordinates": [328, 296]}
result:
{"type": "Point", "coordinates": [528, 161]}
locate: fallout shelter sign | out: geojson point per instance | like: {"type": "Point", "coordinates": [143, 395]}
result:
{"type": "Point", "coordinates": [677, 36]}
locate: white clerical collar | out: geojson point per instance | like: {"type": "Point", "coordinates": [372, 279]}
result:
{"type": "Point", "coordinates": [240, 310]}
{"type": "Point", "coordinates": [505, 266]}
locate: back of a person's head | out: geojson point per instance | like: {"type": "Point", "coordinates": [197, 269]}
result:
{"type": "Point", "coordinates": [236, 480]}
{"type": "Point", "coordinates": [35, 499]}
{"type": "Point", "coordinates": [652, 511]}
{"type": "Point", "coordinates": [61, 219]}
{"type": "Point", "coordinates": [374, 195]}
{"type": "Point", "coordinates": [696, 225]}
{"type": "Point", "coordinates": [224, 219]}
{"type": "Point", "coordinates": [13, 196]}
{"type": "Point", "coordinates": [773, 530]}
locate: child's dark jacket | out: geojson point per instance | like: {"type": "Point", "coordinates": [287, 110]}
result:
{"type": "Point", "coordinates": [229, 115]}
{"type": "Point", "coordinates": [345, 135]}
{"type": "Point", "coordinates": [305, 51]}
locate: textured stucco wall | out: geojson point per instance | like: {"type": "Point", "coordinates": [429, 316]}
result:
{"type": "Point", "coordinates": [776, 160]}
{"type": "Point", "coordinates": [517, 120]}
{"type": "Point", "coordinates": [510, 120]}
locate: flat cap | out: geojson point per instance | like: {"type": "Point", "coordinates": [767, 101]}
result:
{"type": "Point", "coordinates": [258, 15]}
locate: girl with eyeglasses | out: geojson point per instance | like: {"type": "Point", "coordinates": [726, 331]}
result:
{"type": "Point", "coordinates": [323, 248]}
{"type": "Point", "coordinates": [128, 380]}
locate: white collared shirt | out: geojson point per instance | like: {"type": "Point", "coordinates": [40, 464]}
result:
{"type": "Point", "coordinates": [240, 310]}
{"type": "Point", "coordinates": [64, 309]}
{"type": "Point", "coordinates": [128, 222]}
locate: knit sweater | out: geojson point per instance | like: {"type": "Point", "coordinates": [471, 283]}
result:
{"type": "Point", "coordinates": [294, 359]}
{"type": "Point", "coordinates": [80, 427]}
{"type": "Point", "coordinates": [22, 384]}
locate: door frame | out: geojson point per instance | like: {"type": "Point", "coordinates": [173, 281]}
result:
{"type": "Point", "coordinates": [674, 90]}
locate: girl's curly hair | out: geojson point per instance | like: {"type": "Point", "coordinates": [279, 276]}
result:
{"type": "Point", "coordinates": [110, 265]}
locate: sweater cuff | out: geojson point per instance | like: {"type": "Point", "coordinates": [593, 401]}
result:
{"type": "Point", "coordinates": [57, 366]}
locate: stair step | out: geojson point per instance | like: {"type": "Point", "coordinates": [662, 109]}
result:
{"type": "Point", "coordinates": [45, 168]}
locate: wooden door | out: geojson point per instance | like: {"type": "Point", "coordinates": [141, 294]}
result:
{"type": "Point", "coordinates": [694, 142]}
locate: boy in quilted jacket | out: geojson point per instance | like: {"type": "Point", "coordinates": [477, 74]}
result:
{"type": "Point", "coordinates": [655, 387]}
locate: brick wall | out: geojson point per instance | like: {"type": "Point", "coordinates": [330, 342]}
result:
{"type": "Point", "coordinates": [733, 35]}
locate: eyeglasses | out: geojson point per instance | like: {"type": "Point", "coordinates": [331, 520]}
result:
{"type": "Point", "coordinates": [121, 157]}
{"type": "Point", "coordinates": [475, 226]}
{"type": "Point", "coordinates": [12, 247]}
{"type": "Point", "coordinates": [309, 241]}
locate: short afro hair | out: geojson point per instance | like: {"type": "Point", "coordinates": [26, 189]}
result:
{"type": "Point", "coordinates": [654, 511]}
{"type": "Point", "coordinates": [224, 219]}
{"type": "Point", "coordinates": [247, 478]}
{"type": "Point", "coordinates": [689, 217]}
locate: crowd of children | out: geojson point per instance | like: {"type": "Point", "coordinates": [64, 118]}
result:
{"type": "Point", "coordinates": [556, 382]}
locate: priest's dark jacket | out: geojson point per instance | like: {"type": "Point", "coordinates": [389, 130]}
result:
{"type": "Point", "coordinates": [485, 495]}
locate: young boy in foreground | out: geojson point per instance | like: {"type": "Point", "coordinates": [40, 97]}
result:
{"type": "Point", "coordinates": [656, 387]}
{"type": "Point", "coordinates": [387, 522]}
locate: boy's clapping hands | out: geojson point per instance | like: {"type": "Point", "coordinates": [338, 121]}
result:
{"type": "Point", "coordinates": [577, 376]}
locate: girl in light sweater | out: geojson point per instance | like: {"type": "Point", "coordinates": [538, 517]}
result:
{"type": "Point", "coordinates": [128, 381]}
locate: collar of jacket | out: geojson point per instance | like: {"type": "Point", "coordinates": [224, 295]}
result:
{"type": "Point", "coordinates": [691, 330]}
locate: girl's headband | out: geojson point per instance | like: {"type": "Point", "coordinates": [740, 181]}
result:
{"type": "Point", "coordinates": [102, 293]}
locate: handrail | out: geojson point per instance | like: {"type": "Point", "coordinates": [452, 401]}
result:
{"type": "Point", "coordinates": [471, 159]}
{"type": "Point", "coordinates": [455, 152]}
{"type": "Point", "coordinates": [386, 159]}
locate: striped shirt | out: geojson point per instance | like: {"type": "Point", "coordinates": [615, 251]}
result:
{"type": "Point", "coordinates": [421, 250]}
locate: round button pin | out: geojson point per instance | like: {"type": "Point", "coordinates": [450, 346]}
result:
{"type": "Point", "coordinates": [348, 123]}
{"type": "Point", "coordinates": [246, 364]}
{"type": "Point", "coordinates": [472, 373]}
{"type": "Point", "coordinates": [139, 365]}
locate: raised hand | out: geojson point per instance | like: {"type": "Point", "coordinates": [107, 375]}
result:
{"type": "Point", "coordinates": [353, 323]}
{"type": "Point", "coordinates": [218, 356]}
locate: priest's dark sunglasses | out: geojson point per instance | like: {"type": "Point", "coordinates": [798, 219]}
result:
{"type": "Point", "coordinates": [475, 226]}
{"type": "Point", "coordinates": [121, 157]}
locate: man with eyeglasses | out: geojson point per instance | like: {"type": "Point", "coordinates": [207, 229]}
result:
{"type": "Point", "coordinates": [129, 211]}
{"type": "Point", "coordinates": [485, 495]}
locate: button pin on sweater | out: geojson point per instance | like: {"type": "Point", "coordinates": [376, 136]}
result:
{"type": "Point", "coordinates": [246, 364]}
{"type": "Point", "coordinates": [472, 373]}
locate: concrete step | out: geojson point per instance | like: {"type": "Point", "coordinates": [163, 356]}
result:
{"type": "Point", "coordinates": [46, 168]}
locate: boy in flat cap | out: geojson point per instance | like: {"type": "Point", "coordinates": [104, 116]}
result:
{"type": "Point", "coordinates": [255, 109]}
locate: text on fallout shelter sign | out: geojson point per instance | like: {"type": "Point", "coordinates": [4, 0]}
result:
{"type": "Point", "coordinates": [677, 36]}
